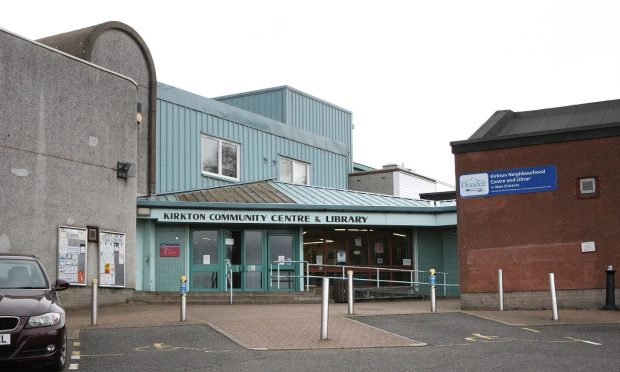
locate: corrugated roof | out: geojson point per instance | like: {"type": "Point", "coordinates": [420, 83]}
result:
{"type": "Point", "coordinates": [273, 192]}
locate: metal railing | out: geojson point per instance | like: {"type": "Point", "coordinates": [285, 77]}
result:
{"type": "Point", "coordinates": [229, 280]}
{"type": "Point", "coordinates": [305, 275]}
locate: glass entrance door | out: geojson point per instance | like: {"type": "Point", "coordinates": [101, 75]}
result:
{"type": "Point", "coordinates": [245, 251]}
{"type": "Point", "coordinates": [281, 248]}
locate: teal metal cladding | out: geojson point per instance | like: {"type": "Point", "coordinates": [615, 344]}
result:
{"type": "Point", "coordinates": [297, 109]}
{"type": "Point", "coordinates": [182, 117]}
{"type": "Point", "coordinates": [437, 250]}
{"type": "Point", "coordinates": [268, 102]}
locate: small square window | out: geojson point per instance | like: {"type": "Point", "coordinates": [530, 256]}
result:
{"type": "Point", "coordinates": [294, 171]}
{"type": "Point", "coordinates": [587, 187]}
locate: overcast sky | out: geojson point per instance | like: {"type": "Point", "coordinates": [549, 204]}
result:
{"type": "Point", "coordinates": [415, 74]}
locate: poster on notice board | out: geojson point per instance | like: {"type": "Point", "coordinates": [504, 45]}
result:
{"type": "Point", "coordinates": [72, 254]}
{"type": "Point", "coordinates": [111, 259]}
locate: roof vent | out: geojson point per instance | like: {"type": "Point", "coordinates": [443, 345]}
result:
{"type": "Point", "coordinates": [390, 165]}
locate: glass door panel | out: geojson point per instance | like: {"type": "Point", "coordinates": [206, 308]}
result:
{"type": "Point", "coordinates": [232, 242]}
{"type": "Point", "coordinates": [205, 263]}
{"type": "Point", "coordinates": [253, 260]}
{"type": "Point", "coordinates": [281, 248]}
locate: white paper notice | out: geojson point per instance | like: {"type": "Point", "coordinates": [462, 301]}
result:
{"type": "Point", "coordinates": [206, 259]}
{"type": "Point", "coordinates": [281, 258]}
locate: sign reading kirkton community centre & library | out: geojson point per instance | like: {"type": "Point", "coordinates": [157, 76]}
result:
{"type": "Point", "coordinates": [509, 181]}
{"type": "Point", "coordinates": [302, 218]}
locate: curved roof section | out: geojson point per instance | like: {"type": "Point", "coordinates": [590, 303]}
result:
{"type": "Point", "coordinates": [80, 43]}
{"type": "Point", "coordinates": [511, 129]}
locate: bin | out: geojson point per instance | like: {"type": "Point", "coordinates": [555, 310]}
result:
{"type": "Point", "coordinates": [340, 293]}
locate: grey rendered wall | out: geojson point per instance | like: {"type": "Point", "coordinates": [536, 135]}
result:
{"type": "Point", "coordinates": [380, 183]}
{"type": "Point", "coordinates": [64, 124]}
{"type": "Point", "coordinates": [117, 51]}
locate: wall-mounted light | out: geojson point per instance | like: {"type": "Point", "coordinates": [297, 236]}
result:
{"type": "Point", "coordinates": [125, 170]}
{"type": "Point", "coordinates": [139, 113]}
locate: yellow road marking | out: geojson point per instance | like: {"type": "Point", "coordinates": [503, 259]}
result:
{"type": "Point", "coordinates": [76, 343]}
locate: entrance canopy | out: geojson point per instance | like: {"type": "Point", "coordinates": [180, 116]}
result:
{"type": "Point", "coordinates": [278, 203]}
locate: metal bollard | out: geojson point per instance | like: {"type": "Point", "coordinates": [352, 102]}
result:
{"type": "Point", "coordinates": [554, 301]}
{"type": "Point", "coordinates": [325, 309]}
{"type": "Point", "coordinates": [350, 291]}
{"type": "Point", "coordinates": [432, 283]}
{"type": "Point", "coordinates": [500, 278]}
{"type": "Point", "coordinates": [610, 295]}
{"type": "Point", "coordinates": [93, 315]}
{"type": "Point", "coordinates": [183, 297]}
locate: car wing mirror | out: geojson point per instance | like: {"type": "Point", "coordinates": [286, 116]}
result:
{"type": "Point", "coordinates": [61, 285]}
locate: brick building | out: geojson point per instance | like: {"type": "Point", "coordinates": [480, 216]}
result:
{"type": "Point", "coordinates": [537, 195]}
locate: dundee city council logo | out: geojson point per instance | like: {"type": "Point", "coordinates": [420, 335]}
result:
{"type": "Point", "coordinates": [474, 184]}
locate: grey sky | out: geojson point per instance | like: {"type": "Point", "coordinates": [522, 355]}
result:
{"type": "Point", "coordinates": [416, 75]}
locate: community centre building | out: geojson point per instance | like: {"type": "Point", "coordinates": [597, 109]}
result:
{"type": "Point", "coordinates": [536, 195]}
{"type": "Point", "coordinates": [256, 183]}
{"type": "Point", "coordinates": [113, 176]}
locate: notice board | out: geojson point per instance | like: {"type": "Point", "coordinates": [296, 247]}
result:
{"type": "Point", "coordinates": [111, 259]}
{"type": "Point", "coordinates": [72, 254]}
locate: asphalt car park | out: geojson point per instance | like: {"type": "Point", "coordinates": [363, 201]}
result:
{"type": "Point", "coordinates": [455, 341]}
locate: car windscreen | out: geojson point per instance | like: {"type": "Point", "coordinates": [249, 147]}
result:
{"type": "Point", "coordinates": [27, 274]}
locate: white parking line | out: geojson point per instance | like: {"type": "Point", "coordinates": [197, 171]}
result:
{"type": "Point", "coordinates": [530, 329]}
{"type": "Point", "coordinates": [74, 366]}
{"type": "Point", "coordinates": [584, 341]}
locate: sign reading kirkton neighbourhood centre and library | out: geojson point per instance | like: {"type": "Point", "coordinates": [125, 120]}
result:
{"type": "Point", "coordinates": [509, 181]}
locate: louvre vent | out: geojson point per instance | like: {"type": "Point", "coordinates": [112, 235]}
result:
{"type": "Point", "coordinates": [587, 185]}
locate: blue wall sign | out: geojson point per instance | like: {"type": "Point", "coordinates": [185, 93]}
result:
{"type": "Point", "coordinates": [509, 181]}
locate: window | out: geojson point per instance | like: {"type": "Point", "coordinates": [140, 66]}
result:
{"type": "Point", "coordinates": [220, 157]}
{"type": "Point", "coordinates": [293, 171]}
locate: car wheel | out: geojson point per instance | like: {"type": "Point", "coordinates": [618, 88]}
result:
{"type": "Point", "coordinates": [61, 359]}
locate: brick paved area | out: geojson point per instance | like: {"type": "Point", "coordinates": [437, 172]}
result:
{"type": "Point", "coordinates": [267, 326]}
{"type": "Point", "coordinates": [298, 326]}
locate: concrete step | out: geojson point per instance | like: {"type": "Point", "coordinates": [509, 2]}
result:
{"type": "Point", "coordinates": [224, 297]}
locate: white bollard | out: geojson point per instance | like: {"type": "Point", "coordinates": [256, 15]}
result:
{"type": "Point", "coordinates": [183, 297]}
{"type": "Point", "coordinates": [432, 283]}
{"type": "Point", "coordinates": [350, 291]}
{"type": "Point", "coordinates": [325, 309]}
{"type": "Point", "coordinates": [554, 301]}
{"type": "Point", "coordinates": [500, 278]}
{"type": "Point", "coordinates": [93, 315]}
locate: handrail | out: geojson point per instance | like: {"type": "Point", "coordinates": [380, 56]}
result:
{"type": "Point", "coordinates": [306, 276]}
{"type": "Point", "coordinates": [280, 263]}
{"type": "Point", "coordinates": [229, 277]}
